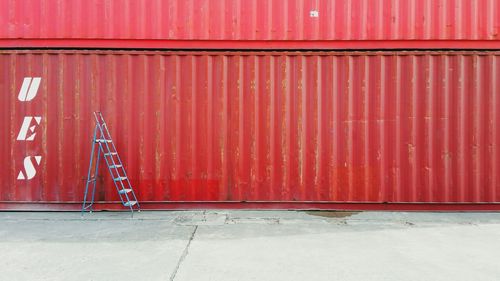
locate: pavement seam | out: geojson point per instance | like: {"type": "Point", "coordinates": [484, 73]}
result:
{"type": "Point", "coordinates": [184, 254]}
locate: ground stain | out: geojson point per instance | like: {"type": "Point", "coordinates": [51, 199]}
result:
{"type": "Point", "coordinates": [331, 214]}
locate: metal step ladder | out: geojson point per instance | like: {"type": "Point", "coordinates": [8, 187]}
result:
{"type": "Point", "coordinates": [107, 149]}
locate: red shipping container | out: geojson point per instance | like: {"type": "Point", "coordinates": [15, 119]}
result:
{"type": "Point", "coordinates": [251, 24]}
{"type": "Point", "coordinates": [349, 130]}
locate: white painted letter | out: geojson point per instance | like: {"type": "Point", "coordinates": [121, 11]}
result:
{"type": "Point", "coordinates": [29, 168]}
{"type": "Point", "coordinates": [23, 133]}
{"type": "Point", "coordinates": [29, 88]}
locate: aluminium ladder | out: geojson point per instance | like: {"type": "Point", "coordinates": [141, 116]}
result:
{"type": "Point", "coordinates": [107, 148]}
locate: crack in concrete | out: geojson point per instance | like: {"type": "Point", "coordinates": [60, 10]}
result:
{"type": "Point", "coordinates": [184, 254]}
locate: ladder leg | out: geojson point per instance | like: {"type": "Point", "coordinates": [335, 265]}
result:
{"type": "Point", "coordinates": [135, 198]}
{"type": "Point", "coordinates": [89, 172]}
{"type": "Point", "coordinates": [96, 172]}
{"type": "Point", "coordinates": [131, 211]}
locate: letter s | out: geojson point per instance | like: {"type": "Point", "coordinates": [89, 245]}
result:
{"type": "Point", "coordinates": [29, 168]}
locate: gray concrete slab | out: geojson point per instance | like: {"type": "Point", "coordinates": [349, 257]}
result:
{"type": "Point", "coordinates": [61, 246]}
{"type": "Point", "coordinates": [250, 245]}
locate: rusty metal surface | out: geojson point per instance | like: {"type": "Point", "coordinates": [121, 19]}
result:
{"type": "Point", "coordinates": [295, 23]}
{"type": "Point", "coordinates": [419, 127]}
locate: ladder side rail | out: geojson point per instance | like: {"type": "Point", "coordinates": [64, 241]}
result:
{"type": "Point", "coordinates": [96, 172]}
{"type": "Point", "coordinates": [113, 162]}
{"type": "Point", "coordinates": [94, 182]}
{"type": "Point", "coordinates": [106, 130]}
{"type": "Point", "coordinates": [125, 194]}
{"type": "Point", "coordinates": [105, 149]}
{"type": "Point", "coordinates": [97, 119]}
{"type": "Point", "coordinates": [108, 148]}
{"type": "Point", "coordinates": [125, 183]}
{"type": "Point", "coordinates": [107, 135]}
{"type": "Point", "coordinates": [119, 182]}
{"type": "Point", "coordinates": [122, 169]}
{"type": "Point", "coordinates": [114, 182]}
{"type": "Point", "coordinates": [129, 185]}
{"type": "Point", "coordinates": [89, 172]}
{"type": "Point", "coordinates": [113, 167]}
{"type": "Point", "coordinates": [124, 187]}
{"type": "Point", "coordinates": [134, 197]}
{"type": "Point", "coordinates": [120, 162]}
{"type": "Point", "coordinates": [99, 114]}
{"type": "Point", "coordinates": [113, 172]}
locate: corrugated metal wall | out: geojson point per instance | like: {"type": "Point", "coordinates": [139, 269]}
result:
{"type": "Point", "coordinates": [276, 126]}
{"type": "Point", "coordinates": [249, 20]}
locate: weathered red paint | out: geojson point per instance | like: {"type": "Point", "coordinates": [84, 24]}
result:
{"type": "Point", "coordinates": [204, 45]}
{"type": "Point", "coordinates": [167, 205]}
{"type": "Point", "coordinates": [277, 127]}
{"type": "Point", "coordinates": [266, 24]}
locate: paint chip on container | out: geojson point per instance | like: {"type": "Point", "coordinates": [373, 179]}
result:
{"type": "Point", "coordinates": [314, 13]}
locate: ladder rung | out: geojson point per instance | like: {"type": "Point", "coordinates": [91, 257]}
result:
{"type": "Point", "coordinates": [126, 190]}
{"type": "Point", "coordinates": [110, 153]}
{"type": "Point", "coordinates": [115, 166]}
{"type": "Point", "coordinates": [130, 203]}
{"type": "Point", "coordinates": [120, 178]}
{"type": "Point", "coordinates": [91, 180]}
{"type": "Point", "coordinates": [103, 140]}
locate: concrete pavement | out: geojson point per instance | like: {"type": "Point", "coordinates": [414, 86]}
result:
{"type": "Point", "coordinates": [250, 245]}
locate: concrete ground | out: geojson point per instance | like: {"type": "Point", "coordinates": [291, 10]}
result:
{"type": "Point", "coordinates": [250, 245]}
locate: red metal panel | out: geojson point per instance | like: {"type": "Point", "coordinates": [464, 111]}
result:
{"type": "Point", "coordinates": [304, 127]}
{"type": "Point", "coordinates": [113, 206]}
{"type": "Point", "coordinates": [260, 23]}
